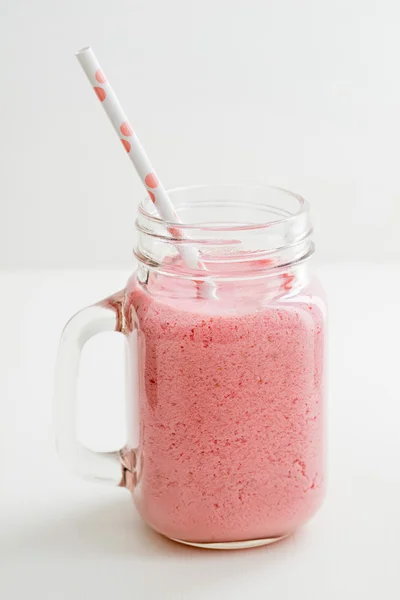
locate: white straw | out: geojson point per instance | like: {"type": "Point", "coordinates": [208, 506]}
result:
{"type": "Point", "coordinates": [138, 156]}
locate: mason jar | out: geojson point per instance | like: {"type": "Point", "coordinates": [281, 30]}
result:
{"type": "Point", "coordinates": [225, 370]}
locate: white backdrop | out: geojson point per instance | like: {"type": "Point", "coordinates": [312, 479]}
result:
{"type": "Point", "coordinates": [302, 94]}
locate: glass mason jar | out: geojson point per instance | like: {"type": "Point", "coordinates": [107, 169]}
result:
{"type": "Point", "coordinates": [225, 370]}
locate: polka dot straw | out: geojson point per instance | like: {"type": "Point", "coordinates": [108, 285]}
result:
{"type": "Point", "coordinates": [139, 159]}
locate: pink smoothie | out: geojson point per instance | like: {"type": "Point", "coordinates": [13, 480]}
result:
{"type": "Point", "coordinates": [231, 417]}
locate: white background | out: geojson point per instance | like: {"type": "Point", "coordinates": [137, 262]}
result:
{"type": "Point", "coordinates": [301, 94]}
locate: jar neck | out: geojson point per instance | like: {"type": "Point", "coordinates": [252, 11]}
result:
{"type": "Point", "coordinates": [253, 236]}
{"type": "Point", "coordinates": [268, 285]}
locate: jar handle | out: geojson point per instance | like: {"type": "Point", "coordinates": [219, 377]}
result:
{"type": "Point", "coordinates": [104, 316]}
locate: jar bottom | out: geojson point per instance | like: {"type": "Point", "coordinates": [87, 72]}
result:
{"type": "Point", "coordinates": [233, 545]}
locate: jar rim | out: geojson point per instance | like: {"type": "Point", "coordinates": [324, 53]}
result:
{"type": "Point", "coordinates": [285, 216]}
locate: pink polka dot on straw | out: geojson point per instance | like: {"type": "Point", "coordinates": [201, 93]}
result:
{"type": "Point", "coordinates": [126, 145]}
{"type": "Point", "coordinates": [100, 77]}
{"type": "Point", "coordinates": [100, 93]}
{"type": "Point", "coordinates": [288, 279]}
{"type": "Point", "coordinates": [126, 129]}
{"type": "Point", "coordinates": [152, 196]}
{"type": "Point", "coordinates": [175, 232]}
{"type": "Point", "coordinates": [151, 180]}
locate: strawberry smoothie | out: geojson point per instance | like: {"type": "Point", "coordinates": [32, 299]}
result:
{"type": "Point", "coordinates": [230, 403]}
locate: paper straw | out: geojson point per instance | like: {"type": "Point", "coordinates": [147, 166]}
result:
{"type": "Point", "coordinates": [139, 159]}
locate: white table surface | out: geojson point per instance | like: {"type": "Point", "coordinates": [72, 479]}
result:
{"type": "Point", "coordinates": [62, 538]}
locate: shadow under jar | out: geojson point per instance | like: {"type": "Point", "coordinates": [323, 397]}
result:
{"type": "Point", "coordinates": [225, 370]}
